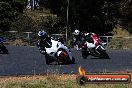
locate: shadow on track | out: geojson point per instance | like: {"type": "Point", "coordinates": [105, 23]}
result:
{"type": "Point", "coordinates": [99, 58]}
{"type": "Point", "coordinates": [55, 63]}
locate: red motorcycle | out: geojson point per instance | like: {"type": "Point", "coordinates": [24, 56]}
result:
{"type": "Point", "coordinates": [94, 46]}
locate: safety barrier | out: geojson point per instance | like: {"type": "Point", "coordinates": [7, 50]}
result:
{"type": "Point", "coordinates": [106, 39]}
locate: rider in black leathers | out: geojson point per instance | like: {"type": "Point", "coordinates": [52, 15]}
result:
{"type": "Point", "coordinates": [44, 41]}
{"type": "Point", "coordinates": [77, 37]}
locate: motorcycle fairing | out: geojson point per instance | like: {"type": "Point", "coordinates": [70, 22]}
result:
{"type": "Point", "coordinates": [67, 50]}
{"type": "Point", "coordinates": [90, 45]}
{"type": "Point", "coordinates": [54, 49]}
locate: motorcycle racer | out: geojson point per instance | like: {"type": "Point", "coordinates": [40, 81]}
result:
{"type": "Point", "coordinates": [92, 45]}
{"type": "Point", "coordinates": [77, 39]}
{"type": "Point", "coordinates": [91, 38]}
{"type": "Point", "coordinates": [54, 50]}
{"type": "Point", "coordinates": [44, 39]}
{"type": "Point", "coordinates": [76, 36]}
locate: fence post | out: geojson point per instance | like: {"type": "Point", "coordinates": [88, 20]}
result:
{"type": "Point", "coordinates": [107, 41]}
{"type": "Point", "coordinates": [28, 36]}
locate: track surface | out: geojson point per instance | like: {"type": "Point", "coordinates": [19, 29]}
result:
{"type": "Point", "coordinates": [27, 60]}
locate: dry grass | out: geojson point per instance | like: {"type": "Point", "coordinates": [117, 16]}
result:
{"type": "Point", "coordinates": [119, 31]}
{"type": "Point", "coordinates": [50, 77]}
{"type": "Point", "coordinates": [121, 39]}
{"type": "Point", "coordinates": [52, 81]}
{"type": "Point", "coordinates": [120, 43]}
{"type": "Point", "coordinates": [17, 42]}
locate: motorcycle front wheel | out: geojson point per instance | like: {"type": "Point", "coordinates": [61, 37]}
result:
{"type": "Point", "coordinates": [103, 53]}
{"type": "Point", "coordinates": [48, 59]}
{"type": "Point", "coordinates": [84, 53]}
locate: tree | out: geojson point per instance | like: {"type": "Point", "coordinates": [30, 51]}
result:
{"type": "Point", "coordinates": [24, 23]}
{"type": "Point", "coordinates": [99, 16]}
{"type": "Point", "coordinates": [51, 24]}
{"type": "Point", "coordinates": [9, 10]}
{"type": "Point", "coordinates": [125, 9]}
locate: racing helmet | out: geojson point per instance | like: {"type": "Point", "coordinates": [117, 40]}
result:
{"type": "Point", "coordinates": [76, 32]}
{"type": "Point", "coordinates": [42, 34]}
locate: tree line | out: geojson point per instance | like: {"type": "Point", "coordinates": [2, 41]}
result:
{"type": "Point", "coordinates": [9, 10]}
{"type": "Point", "coordinates": [99, 16]}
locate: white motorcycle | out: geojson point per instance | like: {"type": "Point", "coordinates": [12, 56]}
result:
{"type": "Point", "coordinates": [56, 51]}
{"type": "Point", "coordinates": [95, 48]}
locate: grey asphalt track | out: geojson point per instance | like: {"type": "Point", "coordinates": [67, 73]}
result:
{"type": "Point", "coordinates": [27, 60]}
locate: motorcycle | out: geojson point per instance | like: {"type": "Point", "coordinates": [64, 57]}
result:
{"type": "Point", "coordinates": [95, 48]}
{"type": "Point", "coordinates": [57, 51]}
{"type": "Point", "coordinates": [3, 49]}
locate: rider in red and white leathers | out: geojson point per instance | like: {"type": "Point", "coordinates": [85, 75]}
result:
{"type": "Point", "coordinates": [92, 39]}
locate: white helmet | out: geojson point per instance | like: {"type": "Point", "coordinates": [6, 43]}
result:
{"type": "Point", "coordinates": [41, 33]}
{"type": "Point", "coordinates": [76, 32]}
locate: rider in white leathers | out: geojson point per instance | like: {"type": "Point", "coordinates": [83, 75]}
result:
{"type": "Point", "coordinates": [92, 39]}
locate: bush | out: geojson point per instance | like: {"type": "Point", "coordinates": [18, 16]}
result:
{"type": "Point", "coordinates": [119, 31]}
{"type": "Point", "coordinates": [121, 43]}
{"type": "Point", "coordinates": [121, 39]}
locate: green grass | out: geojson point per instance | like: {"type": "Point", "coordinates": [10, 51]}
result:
{"type": "Point", "coordinates": [63, 84]}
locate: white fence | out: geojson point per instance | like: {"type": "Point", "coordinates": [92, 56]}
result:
{"type": "Point", "coordinates": [106, 39]}
{"type": "Point", "coordinates": [28, 36]}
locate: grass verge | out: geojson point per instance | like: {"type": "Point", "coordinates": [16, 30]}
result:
{"type": "Point", "coordinates": [52, 81]}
